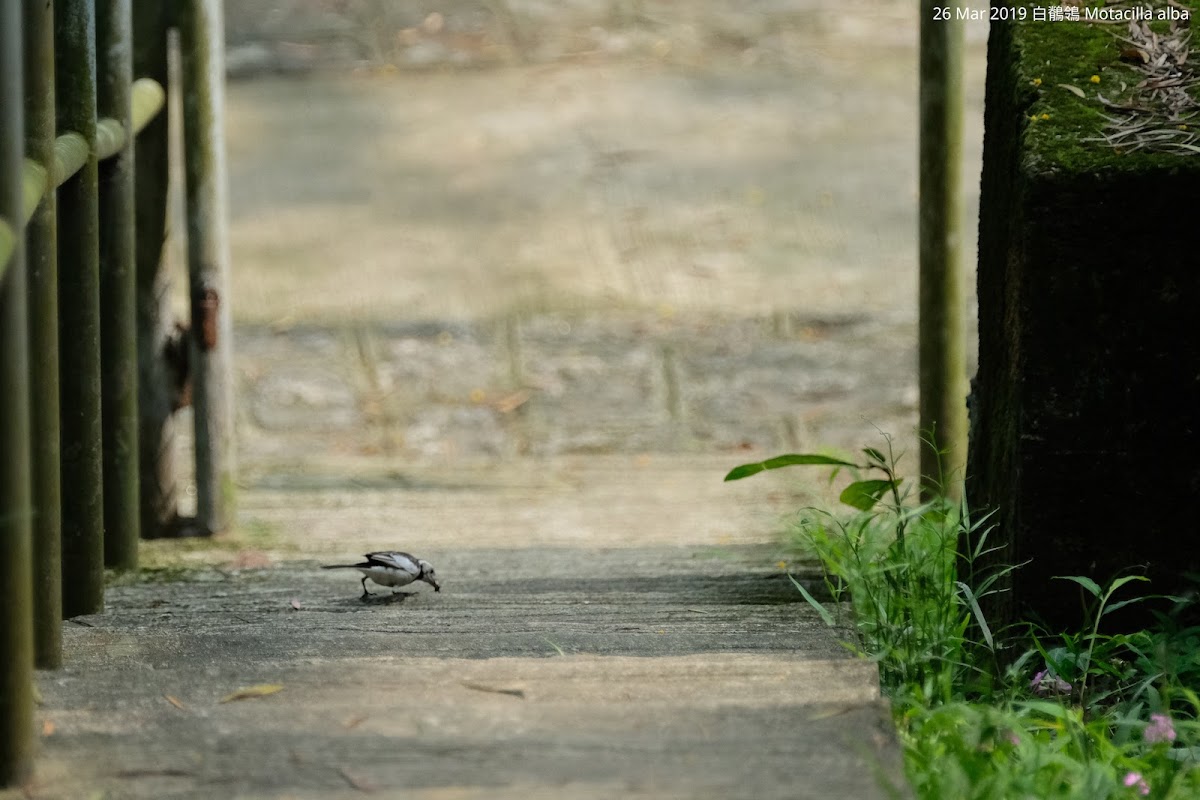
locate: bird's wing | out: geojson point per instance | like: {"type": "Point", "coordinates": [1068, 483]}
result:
{"type": "Point", "coordinates": [394, 560]}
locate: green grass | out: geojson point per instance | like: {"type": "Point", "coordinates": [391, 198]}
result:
{"type": "Point", "coordinates": [1093, 714]}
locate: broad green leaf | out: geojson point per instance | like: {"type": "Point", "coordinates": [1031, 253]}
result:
{"type": "Point", "coordinates": [863, 495]}
{"type": "Point", "coordinates": [795, 459]}
{"type": "Point", "coordinates": [1111, 607]}
{"type": "Point", "coordinates": [1119, 582]}
{"type": "Point", "coordinates": [812, 601]}
{"type": "Point", "coordinates": [1086, 583]}
{"type": "Point", "coordinates": [1050, 709]}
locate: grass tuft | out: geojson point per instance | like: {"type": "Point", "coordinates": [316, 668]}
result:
{"type": "Point", "coordinates": [1088, 715]}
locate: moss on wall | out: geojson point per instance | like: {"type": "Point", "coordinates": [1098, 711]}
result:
{"type": "Point", "coordinates": [1063, 131]}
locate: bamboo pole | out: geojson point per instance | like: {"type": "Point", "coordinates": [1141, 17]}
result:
{"type": "Point", "coordinates": [156, 440]}
{"type": "Point", "coordinates": [118, 289]}
{"type": "Point", "coordinates": [201, 33]}
{"type": "Point", "coordinates": [941, 349]}
{"type": "Point", "coordinates": [16, 547]}
{"type": "Point", "coordinates": [41, 258]}
{"type": "Point", "coordinates": [79, 317]}
{"type": "Point", "coordinates": [70, 152]}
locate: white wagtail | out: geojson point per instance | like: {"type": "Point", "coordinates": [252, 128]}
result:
{"type": "Point", "coordinates": [392, 568]}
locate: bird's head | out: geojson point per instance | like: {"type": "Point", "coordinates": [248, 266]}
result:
{"type": "Point", "coordinates": [428, 575]}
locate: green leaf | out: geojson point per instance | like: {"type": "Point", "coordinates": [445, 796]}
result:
{"type": "Point", "coordinates": [1047, 707]}
{"type": "Point", "coordinates": [973, 602]}
{"type": "Point", "coordinates": [795, 459]}
{"type": "Point", "coordinates": [812, 601]}
{"type": "Point", "coordinates": [863, 495]}
{"type": "Point", "coordinates": [1119, 582]}
{"type": "Point", "coordinates": [1086, 583]}
{"type": "Point", "coordinates": [875, 456]}
{"type": "Point", "coordinates": [1119, 605]}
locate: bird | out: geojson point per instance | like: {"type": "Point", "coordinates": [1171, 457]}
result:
{"type": "Point", "coordinates": [392, 568]}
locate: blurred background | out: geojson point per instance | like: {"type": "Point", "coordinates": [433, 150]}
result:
{"type": "Point", "coordinates": [498, 229]}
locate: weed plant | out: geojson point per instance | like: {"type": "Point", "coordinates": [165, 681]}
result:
{"type": "Point", "coordinates": [997, 715]}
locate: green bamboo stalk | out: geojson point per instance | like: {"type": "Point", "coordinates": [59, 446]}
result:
{"type": "Point", "coordinates": [16, 546]}
{"type": "Point", "coordinates": [941, 350]}
{"type": "Point", "coordinates": [70, 152]}
{"type": "Point", "coordinates": [41, 256]}
{"type": "Point", "coordinates": [8, 242]}
{"type": "Point", "coordinates": [118, 289]}
{"type": "Point", "coordinates": [201, 43]}
{"type": "Point", "coordinates": [79, 317]}
{"type": "Point", "coordinates": [156, 440]}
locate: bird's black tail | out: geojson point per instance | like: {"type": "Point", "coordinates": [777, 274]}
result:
{"type": "Point", "coordinates": [339, 566]}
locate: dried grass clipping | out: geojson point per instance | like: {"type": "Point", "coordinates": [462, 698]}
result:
{"type": "Point", "coordinates": [1156, 116]}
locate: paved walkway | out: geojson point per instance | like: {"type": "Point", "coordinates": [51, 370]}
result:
{"type": "Point", "coordinates": [600, 631]}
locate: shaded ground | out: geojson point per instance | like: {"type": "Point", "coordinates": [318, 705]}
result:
{"type": "Point", "coordinates": [521, 320]}
{"type": "Point", "coordinates": [595, 655]}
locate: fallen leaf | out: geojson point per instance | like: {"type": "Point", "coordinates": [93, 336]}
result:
{"type": "Point", "coordinates": [1134, 54]}
{"type": "Point", "coordinates": [251, 559]}
{"type": "Point", "coordinates": [48, 727]}
{"type": "Point", "coordinates": [836, 711]}
{"type": "Point", "coordinates": [510, 403]}
{"type": "Point", "coordinates": [479, 687]}
{"type": "Point", "coordinates": [261, 690]}
{"type": "Point", "coordinates": [296, 603]}
{"type": "Point", "coordinates": [1075, 90]}
{"type": "Point", "coordinates": [356, 783]}
{"type": "Point", "coordinates": [168, 772]}
{"type": "Point", "coordinates": [175, 701]}
{"type": "Point", "coordinates": [354, 722]}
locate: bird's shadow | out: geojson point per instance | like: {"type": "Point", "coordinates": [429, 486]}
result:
{"type": "Point", "coordinates": [384, 598]}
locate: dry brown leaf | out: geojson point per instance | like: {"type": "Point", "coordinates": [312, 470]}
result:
{"type": "Point", "coordinates": [175, 701]}
{"type": "Point", "coordinates": [251, 559]}
{"type": "Point", "coordinates": [1135, 54]}
{"type": "Point", "coordinates": [248, 692]}
{"type": "Point", "coordinates": [510, 403]}
{"type": "Point", "coordinates": [1075, 90]}
{"type": "Point", "coordinates": [354, 722]}
{"type": "Point", "coordinates": [356, 783]}
{"type": "Point", "coordinates": [48, 727]}
{"type": "Point", "coordinates": [479, 687]}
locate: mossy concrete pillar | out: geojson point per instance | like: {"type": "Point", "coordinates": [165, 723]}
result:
{"type": "Point", "coordinates": [1085, 410]}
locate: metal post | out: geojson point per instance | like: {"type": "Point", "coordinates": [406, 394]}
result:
{"type": "Point", "coordinates": [941, 354]}
{"type": "Point", "coordinates": [118, 291]}
{"type": "Point", "coordinates": [79, 317]}
{"type": "Point", "coordinates": [201, 32]}
{"type": "Point", "coordinates": [16, 548]}
{"type": "Point", "coordinates": [41, 258]}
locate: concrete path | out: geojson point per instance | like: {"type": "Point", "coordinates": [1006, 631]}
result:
{"type": "Point", "coordinates": [664, 654]}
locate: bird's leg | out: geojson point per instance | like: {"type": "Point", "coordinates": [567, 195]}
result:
{"type": "Point", "coordinates": [365, 593]}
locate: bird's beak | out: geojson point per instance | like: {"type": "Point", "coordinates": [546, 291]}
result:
{"type": "Point", "coordinates": [437, 587]}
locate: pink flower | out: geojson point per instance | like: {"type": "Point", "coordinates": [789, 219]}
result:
{"type": "Point", "coordinates": [1135, 779]}
{"type": "Point", "coordinates": [1046, 683]}
{"type": "Point", "coordinates": [1160, 729]}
